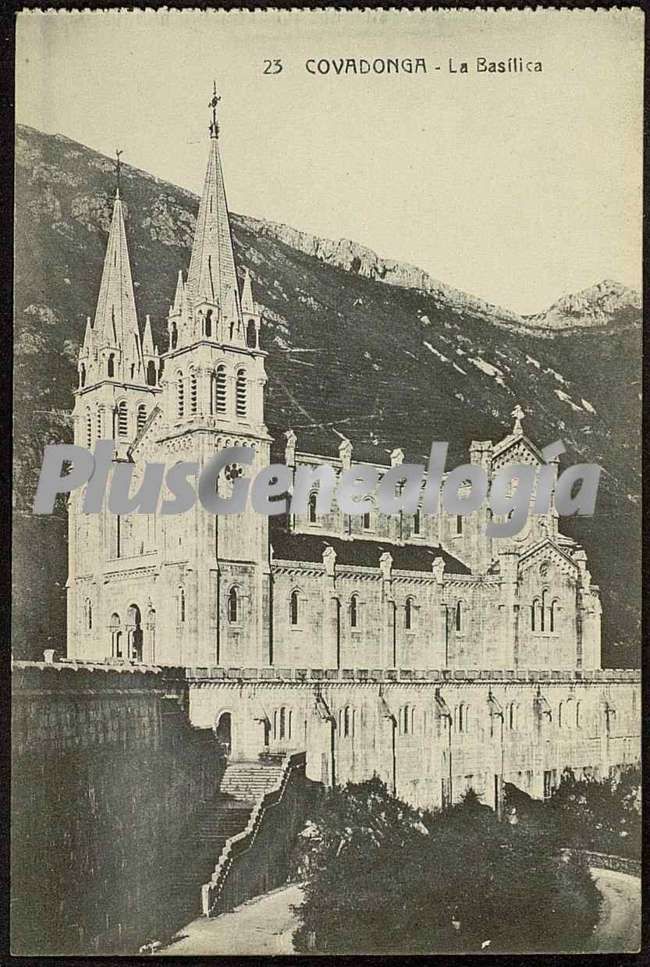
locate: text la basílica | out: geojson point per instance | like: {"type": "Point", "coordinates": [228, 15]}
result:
{"type": "Point", "coordinates": [483, 65]}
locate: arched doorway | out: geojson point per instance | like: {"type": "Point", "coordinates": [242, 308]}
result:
{"type": "Point", "coordinates": [134, 631]}
{"type": "Point", "coordinates": [223, 733]}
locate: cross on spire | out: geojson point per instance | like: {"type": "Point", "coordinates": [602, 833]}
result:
{"type": "Point", "coordinates": [118, 168]}
{"type": "Point", "coordinates": [212, 103]}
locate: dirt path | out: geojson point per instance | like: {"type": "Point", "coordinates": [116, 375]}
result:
{"type": "Point", "coordinates": [260, 926]}
{"type": "Point", "coordinates": [620, 917]}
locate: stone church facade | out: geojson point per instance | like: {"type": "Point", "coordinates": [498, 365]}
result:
{"type": "Point", "coordinates": [399, 644]}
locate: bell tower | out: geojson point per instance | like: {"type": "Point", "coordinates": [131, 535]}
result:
{"type": "Point", "coordinates": [117, 391]}
{"type": "Point", "coordinates": [213, 397]}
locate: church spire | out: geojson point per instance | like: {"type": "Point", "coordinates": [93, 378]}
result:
{"type": "Point", "coordinates": [116, 321]}
{"type": "Point", "coordinates": [247, 303]}
{"type": "Point", "coordinates": [212, 279]}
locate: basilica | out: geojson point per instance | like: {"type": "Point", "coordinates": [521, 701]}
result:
{"type": "Point", "coordinates": [409, 645]}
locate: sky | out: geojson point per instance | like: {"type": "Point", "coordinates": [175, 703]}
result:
{"type": "Point", "coordinates": [515, 187]}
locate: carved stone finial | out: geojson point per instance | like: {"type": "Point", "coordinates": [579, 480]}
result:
{"type": "Point", "coordinates": [518, 414]}
{"type": "Point", "coordinates": [345, 453]}
{"type": "Point", "coordinates": [290, 448]}
{"type": "Point", "coordinates": [438, 569]}
{"type": "Point", "coordinates": [329, 560]}
{"type": "Point", "coordinates": [386, 565]}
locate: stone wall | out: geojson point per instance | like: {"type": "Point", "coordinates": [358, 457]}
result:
{"type": "Point", "coordinates": [429, 736]}
{"type": "Point", "coordinates": [107, 773]}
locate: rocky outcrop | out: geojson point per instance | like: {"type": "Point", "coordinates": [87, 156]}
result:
{"type": "Point", "coordinates": [599, 305]}
{"type": "Point", "coordinates": [360, 260]}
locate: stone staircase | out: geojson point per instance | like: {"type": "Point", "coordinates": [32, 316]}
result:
{"type": "Point", "coordinates": [247, 782]}
{"type": "Point", "coordinates": [242, 785]}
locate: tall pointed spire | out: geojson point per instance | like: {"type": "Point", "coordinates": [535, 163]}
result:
{"type": "Point", "coordinates": [116, 321]}
{"type": "Point", "coordinates": [212, 278]}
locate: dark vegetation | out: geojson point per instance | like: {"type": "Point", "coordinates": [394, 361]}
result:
{"type": "Point", "coordinates": [383, 877]}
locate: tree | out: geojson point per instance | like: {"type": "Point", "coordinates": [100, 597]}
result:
{"type": "Point", "coordinates": [383, 877]}
{"type": "Point", "coordinates": [599, 814]}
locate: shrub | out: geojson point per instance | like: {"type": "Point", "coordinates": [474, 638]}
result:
{"type": "Point", "coordinates": [383, 877]}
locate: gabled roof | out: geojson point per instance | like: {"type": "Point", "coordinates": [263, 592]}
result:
{"type": "Point", "coordinates": [288, 546]}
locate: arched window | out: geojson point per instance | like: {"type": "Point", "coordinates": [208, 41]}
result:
{"type": "Point", "coordinates": [312, 507]}
{"type": "Point", "coordinates": [294, 607]}
{"type": "Point", "coordinates": [151, 373]}
{"type": "Point", "coordinates": [459, 616]}
{"type": "Point", "coordinates": [416, 522]}
{"type": "Point", "coordinates": [560, 715]}
{"type": "Point", "coordinates": [240, 393]}
{"type": "Point", "coordinates": [354, 611]}
{"type": "Point", "coordinates": [251, 335]}
{"type": "Point", "coordinates": [578, 715]}
{"type": "Point", "coordinates": [194, 393]}
{"type": "Point", "coordinates": [82, 375]}
{"type": "Point", "coordinates": [220, 390]}
{"type": "Point", "coordinates": [89, 614]}
{"type": "Point", "coordinates": [347, 721]}
{"type": "Point", "coordinates": [282, 723]}
{"type": "Point", "coordinates": [459, 523]}
{"type": "Point", "coordinates": [180, 394]}
{"type": "Point", "coordinates": [116, 636]}
{"type": "Point", "coordinates": [542, 610]}
{"type": "Point", "coordinates": [141, 418]}
{"type": "Point", "coordinates": [552, 615]}
{"type": "Point", "coordinates": [110, 366]}
{"type": "Point", "coordinates": [122, 419]}
{"type": "Point", "coordinates": [181, 604]}
{"type": "Point", "coordinates": [366, 521]}
{"type": "Point", "coordinates": [533, 615]}
{"type": "Point", "coordinates": [89, 429]}
{"type": "Point", "coordinates": [406, 720]}
{"type": "Point", "coordinates": [233, 605]}
{"type": "Point", "coordinates": [408, 614]}
{"type": "Point", "coordinates": [173, 336]}
{"type": "Point", "coordinates": [208, 324]}
{"type": "Point", "coordinates": [512, 716]}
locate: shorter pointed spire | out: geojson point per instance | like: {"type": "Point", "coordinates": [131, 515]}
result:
{"type": "Point", "coordinates": [179, 297]}
{"type": "Point", "coordinates": [247, 303]}
{"type": "Point", "coordinates": [88, 337]}
{"type": "Point", "coordinates": [116, 321]}
{"type": "Point", "coordinates": [147, 340]}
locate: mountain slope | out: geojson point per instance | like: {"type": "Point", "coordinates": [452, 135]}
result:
{"type": "Point", "coordinates": [386, 364]}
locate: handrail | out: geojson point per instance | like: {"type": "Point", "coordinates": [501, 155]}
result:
{"type": "Point", "coordinates": [238, 843]}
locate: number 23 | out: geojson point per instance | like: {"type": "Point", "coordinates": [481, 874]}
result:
{"type": "Point", "coordinates": [272, 66]}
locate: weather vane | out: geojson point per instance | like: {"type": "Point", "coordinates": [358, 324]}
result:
{"type": "Point", "coordinates": [118, 166]}
{"type": "Point", "coordinates": [214, 100]}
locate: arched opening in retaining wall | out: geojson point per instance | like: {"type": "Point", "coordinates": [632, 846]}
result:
{"type": "Point", "coordinates": [223, 732]}
{"type": "Point", "coordinates": [134, 631]}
